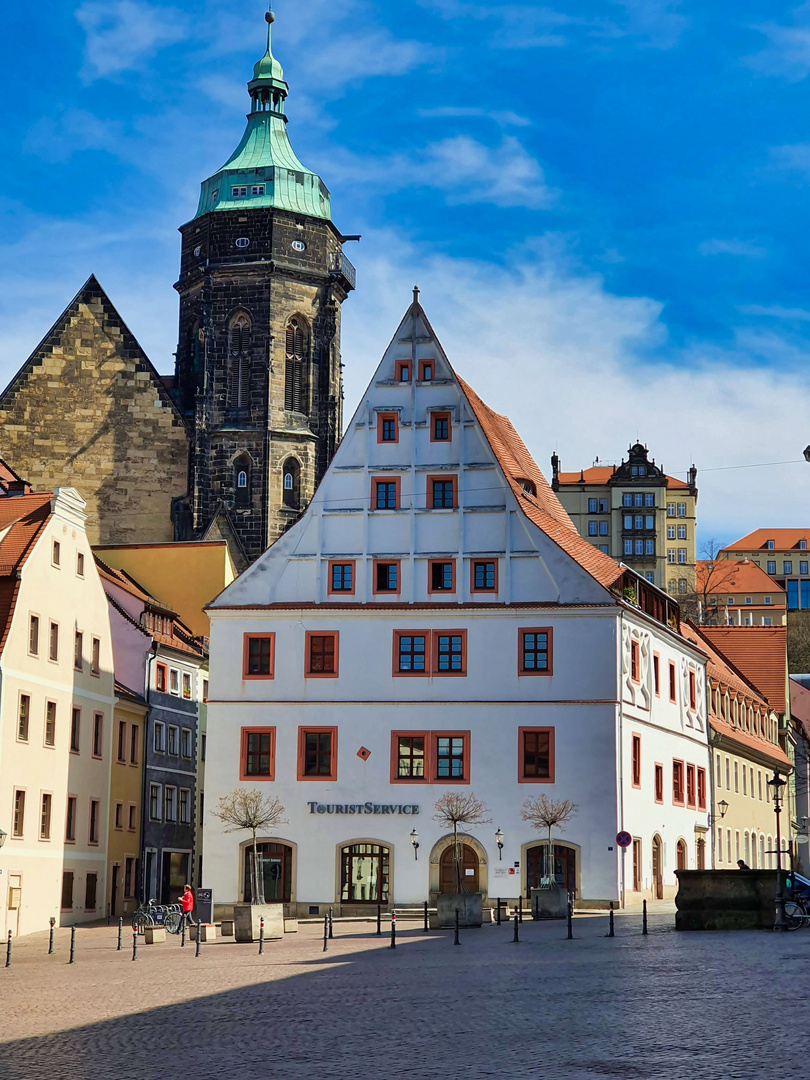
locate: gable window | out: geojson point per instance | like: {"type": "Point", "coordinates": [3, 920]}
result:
{"type": "Point", "coordinates": [239, 347]}
{"type": "Point", "coordinates": [160, 678]}
{"type": "Point", "coordinates": [484, 577]}
{"type": "Point", "coordinates": [410, 652]}
{"type": "Point", "coordinates": [341, 577]}
{"type": "Point", "coordinates": [321, 655]}
{"type": "Point", "coordinates": [23, 718]}
{"type": "Point", "coordinates": [258, 754]}
{"type": "Point", "coordinates": [291, 484]}
{"type": "Point", "coordinates": [425, 371]}
{"type": "Point", "coordinates": [536, 755]}
{"type": "Point", "coordinates": [440, 427]}
{"type": "Point", "coordinates": [535, 652]}
{"type": "Point", "coordinates": [386, 577]}
{"type": "Point", "coordinates": [387, 427]}
{"type": "Point", "coordinates": [403, 371]}
{"type": "Point", "coordinates": [450, 653]}
{"type": "Point", "coordinates": [75, 725]}
{"type": "Point", "coordinates": [385, 494]}
{"type": "Point", "coordinates": [442, 493]}
{"type": "Point", "coordinates": [54, 642]}
{"type": "Point", "coordinates": [33, 635]}
{"type": "Point", "coordinates": [636, 761]}
{"type": "Point", "coordinates": [317, 753]}
{"type": "Point", "coordinates": [296, 388]}
{"type": "Point", "coordinates": [442, 576]}
{"type": "Point", "coordinates": [259, 650]}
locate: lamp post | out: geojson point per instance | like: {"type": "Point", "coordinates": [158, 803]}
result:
{"type": "Point", "coordinates": [776, 783]}
{"type": "Point", "coordinates": [499, 842]}
{"type": "Point", "coordinates": [415, 842]}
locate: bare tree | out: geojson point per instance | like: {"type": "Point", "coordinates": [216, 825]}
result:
{"type": "Point", "coordinates": [545, 813]}
{"type": "Point", "coordinates": [453, 809]}
{"type": "Point", "coordinates": [798, 642]}
{"type": "Point", "coordinates": [712, 579]}
{"type": "Point", "coordinates": [254, 812]}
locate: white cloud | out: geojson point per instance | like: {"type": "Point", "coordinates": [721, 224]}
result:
{"type": "Point", "coordinates": [775, 311]}
{"type": "Point", "coordinates": [123, 35]}
{"type": "Point", "coordinates": [787, 52]}
{"type": "Point", "coordinates": [63, 132]}
{"type": "Point", "coordinates": [740, 248]}
{"type": "Point", "coordinates": [466, 170]}
{"type": "Point", "coordinates": [657, 24]}
{"type": "Point", "coordinates": [503, 118]}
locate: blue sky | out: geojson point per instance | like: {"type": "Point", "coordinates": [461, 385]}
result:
{"type": "Point", "coordinates": [603, 201]}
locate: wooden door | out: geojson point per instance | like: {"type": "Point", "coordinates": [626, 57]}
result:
{"type": "Point", "coordinates": [657, 868]}
{"type": "Point", "coordinates": [565, 867]}
{"type": "Point", "coordinates": [469, 870]}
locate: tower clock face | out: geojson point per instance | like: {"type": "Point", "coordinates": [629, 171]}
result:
{"type": "Point", "coordinates": [299, 245]}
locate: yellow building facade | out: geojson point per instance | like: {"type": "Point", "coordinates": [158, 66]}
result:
{"type": "Point", "coordinates": [126, 794]}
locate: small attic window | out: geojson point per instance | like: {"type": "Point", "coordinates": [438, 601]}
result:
{"type": "Point", "coordinates": [257, 189]}
{"type": "Point", "coordinates": [243, 242]}
{"type": "Point", "coordinates": [238, 192]}
{"type": "Point", "coordinates": [527, 485]}
{"type": "Point", "coordinates": [770, 545]}
{"type": "Point", "coordinates": [802, 545]}
{"type": "Point", "coordinates": [426, 371]}
{"type": "Point", "coordinates": [403, 371]}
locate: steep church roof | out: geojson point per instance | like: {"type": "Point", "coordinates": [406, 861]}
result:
{"type": "Point", "coordinates": [264, 171]}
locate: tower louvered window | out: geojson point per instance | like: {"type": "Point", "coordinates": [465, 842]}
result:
{"type": "Point", "coordinates": [239, 362]}
{"type": "Point", "coordinates": [295, 385]}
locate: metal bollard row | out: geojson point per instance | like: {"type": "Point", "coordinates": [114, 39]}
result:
{"type": "Point", "coordinates": [261, 937]}
{"type": "Point", "coordinates": [72, 944]}
{"type": "Point", "coordinates": [393, 944]}
{"type": "Point", "coordinates": [644, 918]}
{"type": "Point", "coordinates": [456, 939]}
{"type": "Point", "coordinates": [611, 931]}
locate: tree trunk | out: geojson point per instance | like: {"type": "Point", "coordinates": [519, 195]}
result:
{"type": "Point", "coordinates": [550, 861]}
{"type": "Point", "coordinates": [456, 857]}
{"type": "Point", "coordinates": [254, 873]}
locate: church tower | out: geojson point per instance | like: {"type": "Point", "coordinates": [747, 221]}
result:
{"type": "Point", "coordinates": [258, 375]}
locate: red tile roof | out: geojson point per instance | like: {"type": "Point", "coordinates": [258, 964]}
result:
{"type": "Point", "coordinates": [784, 540]}
{"type": "Point", "coordinates": [759, 653]}
{"type": "Point", "coordinates": [600, 474]}
{"type": "Point", "coordinates": [25, 517]}
{"type": "Point", "coordinates": [735, 575]}
{"type": "Point", "coordinates": [544, 509]}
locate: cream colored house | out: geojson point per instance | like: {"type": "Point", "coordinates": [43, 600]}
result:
{"type": "Point", "coordinates": [56, 707]}
{"type": "Point", "coordinates": [738, 592]}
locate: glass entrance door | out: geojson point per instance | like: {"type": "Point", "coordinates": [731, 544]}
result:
{"type": "Point", "coordinates": [565, 867]}
{"type": "Point", "coordinates": [275, 867]}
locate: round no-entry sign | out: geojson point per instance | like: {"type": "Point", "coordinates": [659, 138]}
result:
{"type": "Point", "coordinates": [624, 839]}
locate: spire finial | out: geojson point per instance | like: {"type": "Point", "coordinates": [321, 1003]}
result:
{"type": "Point", "coordinates": [416, 294]}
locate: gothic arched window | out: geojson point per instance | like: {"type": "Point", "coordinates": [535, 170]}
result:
{"type": "Point", "coordinates": [239, 362]}
{"type": "Point", "coordinates": [241, 478]}
{"type": "Point", "coordinates": [292, 483]}
{"type": "Point", "coordinates": [296, 367]}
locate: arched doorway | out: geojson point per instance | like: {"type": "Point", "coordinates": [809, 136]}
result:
{"type": "Point", "coordinates": [469, 870]}
{"type": "Point", "coordinates": [439, 876]}
{"type": "Point", "coordinates": [657, 868]}
{"type": "Point", "coordinates": [681, 855]}
{"type": "Point", "coordinates": [564, 870]}
{"type": "Point", "coordinates": [365, 874]}
{"type": "Point", "coordinates": [275, 870]}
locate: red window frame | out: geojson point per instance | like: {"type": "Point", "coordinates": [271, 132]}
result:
{"type": "Point", "coordinates": [403, 367]}
{"type": "Point", "coordinates": [381, 420]}
{"type": "Point", "coordinates": [678, 784]}
{"type": "Point", "coordinates": [441, 562]}
{"type": "Point", "coordinates": [330, 590]}
{"type": "Point", "coordinates": [396, 481]}
{"type": "Point", "coordinates": [522, 777]}
{"type": "Point", "coordinates": [161, 678]}
{"type": "Point", "coordinates": [465, 758]}
{"type": "Point", "coordinates": [246, 640]}
{"type": "Point", "coordinates": [659, 782]}
{"type": "Point", "coordinates": [657, 674]}
{"type": "Point", "coordinates": [302, 748]}
{"type": "Point", "coordinates": [243, 754]}
{"type": "Point", "coordinates": [441, 416]}
{"type": "Point", "coordinates": [483, 562]}
{"type": "Point", "coordinates": [308, 672]}
{"type": "Point", "coordinates": [673, 695]}
{"type": "Point", "coordinates": [443, 478]}
{"type": "Point", "coordinates": [395, 778]}
{"type": "Point", "coordinates": [634, 662]}
{"type": "Point", "coordinates": [550, 650]}
{"type": "Point", "coordinates": [701, 789]}
{"type": "Point", "coordinates": [436, 644]}
{"type": "Point", "coordinates": [635, 760]}
{"type": "Point", "coordinates": [386, 592]}
{"type": "Point", "coordinates": [691, 787]}
{"type": "Point", "coordinates": [398, 635]}
{"type": "Point", "coordinates": [422, 365]}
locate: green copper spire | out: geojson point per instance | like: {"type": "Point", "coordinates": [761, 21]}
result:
{"type": "Point", "coordinates": [264, 172]}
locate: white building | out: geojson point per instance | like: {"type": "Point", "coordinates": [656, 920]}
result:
{"type": "Point", "coordinates": [56, 706]}
{"type": "Point", "coordinates": [435, 621]}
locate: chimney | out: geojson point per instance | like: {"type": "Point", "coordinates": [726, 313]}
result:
{"type": "Point", "coordinates": [18, 487]}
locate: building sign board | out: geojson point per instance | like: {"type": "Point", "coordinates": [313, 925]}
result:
{"type": "Point", "coordinates": [362, 808]}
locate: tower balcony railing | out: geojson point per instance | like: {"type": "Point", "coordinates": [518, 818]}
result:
{"type": "Point", "coordinates": [344, 269]}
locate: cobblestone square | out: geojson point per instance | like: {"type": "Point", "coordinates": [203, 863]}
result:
{"type": "Point", "coordinates": [668, 1006]}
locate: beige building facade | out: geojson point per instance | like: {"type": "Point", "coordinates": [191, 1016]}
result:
{"type": "Point", "coordinates": [636, 514]}
{"type": "Point", "coordinates": [783, 555]}
{"type": "Point", "coordinates": [737, 592]}
{"type": "Point", "coordinates": [56, 707]}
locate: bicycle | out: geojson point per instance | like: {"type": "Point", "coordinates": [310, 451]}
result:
{"type": "Point", "coordinates": [796, 913]}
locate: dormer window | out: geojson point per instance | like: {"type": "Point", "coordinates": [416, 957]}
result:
{"type": "Point", "coordinates": [527, 485]}
{"type": "Point", "coordinates": [238, 192]}
{"type": "Point", "coordinates": [802, 545]}
{"type": "Point", "coordinates": [770, 544]}
{"type": "Point", "coordinates": [257, 189]}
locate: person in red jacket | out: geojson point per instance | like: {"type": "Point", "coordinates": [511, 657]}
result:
{"type": "Point", "coordinates": [187, 904]}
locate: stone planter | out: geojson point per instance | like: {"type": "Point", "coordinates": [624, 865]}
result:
{"type": "Point", "coordinates": [153, 935]}
{"type": "Point", "coordinates": [470, 909]}
{"type": "Point", "coordinates": [549, 903]}
{"type": "Point", "coordinates": [207, 931]}
{"type": "Point", "coordinates": [247, 920]}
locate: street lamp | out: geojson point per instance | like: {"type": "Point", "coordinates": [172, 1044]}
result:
{"type": "Point", "coordinates": [3, 837]}
{"type": "Point", "coordinates": [722, 806]}
{"type": "Point", "coordinates": [776, 783]}
{"type": "Point", "coordinates": [499, 842]}
{"type": "Point", "coordinates": [415, 842]}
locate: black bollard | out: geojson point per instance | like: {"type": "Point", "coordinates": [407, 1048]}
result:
{"type": "Point", "coordinates": [50, 939]}
{"type": "Point", "coordinates": [456, 939]}
{"type": "Point", "coordinates": [515, 936]}
{"type": "Point", "coordinates": [199, 938]}
{"type": "Point", "coordinates": [325, 932]}
{"type": "Point", "coordinates": [72, 944]}
{"type": "Point", "coordinates": [644, 918]}
{"type": "Point", "coordinates": [261, 937]}
{"type": "Point", "coordinates": [120, 933]}
{"type": "Point", "coordinates": [611, 932]}
{"type": "Point", "coordinates": [8, 950]}
{"type": "Point", "coordinates": [393, 944]}
{"type": "Point", "coordinates": [331, 922]}
{"type": "Point", "coordinates": [183, 932]}
{"type": "Point", "coordinates": [570, 921]}
{"type": "Point", "coordinates": [520, 909]}
{"type": "Point", "coordinates": [379, 919]}
{"type": "Point", "coordinates": [135, 945]}
{"type": "Point", "coordinates": [426, 927]}
{"type": "Point", "coordinates": [498, 912]}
